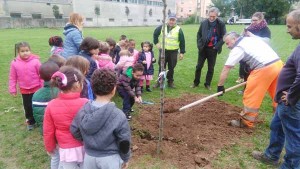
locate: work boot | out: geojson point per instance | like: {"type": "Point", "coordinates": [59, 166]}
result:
{"type": "Point", "coordinates": [260, 156]}
{"type": "Point", "coordinates": [207, 86]}
{"type": "Point", "coordinates": [148, 88]}
{"type": "Point", "coordinates": [171, 85]}
{"type": "Point", "coordinates": [156, 85]}
{"type": "Point", "coordinates": [237, 123]}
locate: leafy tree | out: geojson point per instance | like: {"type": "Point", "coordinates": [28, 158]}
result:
{"type": "Point", "coordinates": [224, 6]}
{"type": "Point", "coordinates": [150, 12]}
{"type": "Point", "coordinates": [97, 12]}
{"type": "Point", "coordinates": [55, 10]}
{"type": "Point", "coordinates": [127, 11]}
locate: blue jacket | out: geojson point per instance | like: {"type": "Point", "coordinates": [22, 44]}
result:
{"type": "Point", "coordinates": [142, 57]}
{"type": "Point", "coordinates": [104, 130]}
{"type": "Point", "coordinates": [93, 64]}
{"type": "Point", "coordinates": [73, 39]}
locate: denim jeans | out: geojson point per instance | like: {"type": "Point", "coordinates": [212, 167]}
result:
{"type": "Point", "coordinates": [128, 101]}
{"type": "Point", "coordinates": [276, 139]}
{"type": "Point", "coordinates": [290, 119]}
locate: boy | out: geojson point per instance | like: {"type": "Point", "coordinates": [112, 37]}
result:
{"type": "Point", "coordinates": [129, 89]}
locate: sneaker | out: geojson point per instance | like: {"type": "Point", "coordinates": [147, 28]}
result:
{"type": "Point", "coordinates": [128, 116]}
{"type": "Point", "coordinates": [131, 110]}
{"type": "Point", "coordinates": [148, 89]}
{"type": "Point", "coordinates": [240, 80]}
{"type": "Point", "coordinates": [30, 127]}
{"type": "Point", "coordinates": [207, 86]}
{"type": "Point", "coordinates": [237, 123]}
{"type": "Point", "coordinates": [193, 86]}
{"type": "Point", "coordinates": [260, 156]}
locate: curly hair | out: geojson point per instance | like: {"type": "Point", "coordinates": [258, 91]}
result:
{"type": "Point", "coordinates": [47, 69]}
{"type": "Point", "coordinates": [56, 41]}
{"type": "Point", "coordinates": [103, 81]}
{"type": "Point", "coordinates": [72, 75]}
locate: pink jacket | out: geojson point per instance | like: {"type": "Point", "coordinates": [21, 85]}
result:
{"type": "Point", "coordinates": [105, 62]}
{"type": "Point", "coordinates": [59, 115]}
{"type": "Point", "coordinates": [25, 73]}
{"type": "Point", "coordinates": [125, 62]}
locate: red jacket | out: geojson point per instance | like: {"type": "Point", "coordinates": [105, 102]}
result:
{"type": "Point", "coordinates": [59, 115]}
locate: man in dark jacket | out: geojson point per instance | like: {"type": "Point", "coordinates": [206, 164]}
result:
{"type": "Point", "coordinates": [209, 41]}
{"type": "Point", "coordinates": [174, 40]}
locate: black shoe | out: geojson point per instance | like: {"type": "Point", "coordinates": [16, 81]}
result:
{"type": "Point", "coordinates": [207, 86]}
{"type": "Point", "coordinates": [171, 85]}
{"type": "Point", "coordinates": [128, 116]}
{"type": "Point", "coordinates": [261, 157]}
{"type": "Point", "coordinates": [148, 89]}
{"type": "Point", "coordinates": [142, 89]}
{"type": "Point", "coordinates": [131, 110]}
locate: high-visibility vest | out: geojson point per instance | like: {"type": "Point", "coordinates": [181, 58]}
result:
{"type": "Point", "coordinates": [171, 38]}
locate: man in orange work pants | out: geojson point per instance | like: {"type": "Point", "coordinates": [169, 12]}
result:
{"type": "Point", "coordinates": [265, 66]}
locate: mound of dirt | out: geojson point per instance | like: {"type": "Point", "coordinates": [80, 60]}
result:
{"type": "Point", "coordinates": [192, 137]}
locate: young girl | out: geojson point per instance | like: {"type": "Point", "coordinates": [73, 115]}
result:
{"type": "Point", "coordinates": [126, 60]}
{"type": "Point", "coordinates": [135, 52]}
{"type": "Point", "coordinates": [112, 47]}
{"type": "Point", "coordinates": [90, 47]}
{"type": "Point", "coordinates": [24, 71]}
{"type": "Point", "coordinates": [56, 43]}
{"type": "Point", "coordinates": [83, 65]}
{"type": "Point", "coordinates": [59, 115]}
{"type": "Point", "coordinates": [104, 60]}
{"type": "Point", "coordinates": [103, 127]}
{"type": "Point", "coordinates": [146, 57]}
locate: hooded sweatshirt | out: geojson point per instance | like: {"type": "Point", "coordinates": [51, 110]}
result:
{"type": "Point", "coordinates": [73, 39]}
{"type": "Point", "coordinates": [25, 73]}
{"type": "Point", "coordinates": [104, 130]}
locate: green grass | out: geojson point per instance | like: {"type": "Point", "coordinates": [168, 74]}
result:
{"type": "Point", "coordinates": [22, 149]}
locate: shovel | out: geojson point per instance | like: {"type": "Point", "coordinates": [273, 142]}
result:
{"type": "Point", "coordinates": [211, 96]}
{"type": "Point", "coordinates": [147, 102]}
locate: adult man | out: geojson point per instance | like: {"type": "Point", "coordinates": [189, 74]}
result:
{"type": "Point", "coordinates": [285, 124]}
{"type": "Point", "coordinates": [210, 42]}
{"type": "Point", "coordinates": [174, 40]}
{"type": "Point", "coordinates": [264, 65]}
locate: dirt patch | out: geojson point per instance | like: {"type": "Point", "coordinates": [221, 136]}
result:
{"type": "Point", "coordinates": [193, 137]}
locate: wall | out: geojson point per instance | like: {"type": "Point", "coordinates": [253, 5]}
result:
{"type": "Point", "coordinates": [7, 22]}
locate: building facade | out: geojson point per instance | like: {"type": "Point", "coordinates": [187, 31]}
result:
{"type": "Point", "coordinates": [186, 8]}
{"type": "Point", "coordinates": [96, 12]}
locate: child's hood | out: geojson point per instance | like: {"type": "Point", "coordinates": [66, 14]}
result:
{"type": "Point", "coordinates": [128, 72]}
{"type": "Point", "coordinates": [94, 118]}
{"type": "Point", "coordinates": [69, 28]}
{"type": "Point", "coordinates": [31, 57]}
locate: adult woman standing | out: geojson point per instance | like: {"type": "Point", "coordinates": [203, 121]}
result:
{"type": "Point", "coordinates": [73, 35]}
{"type": "Point", "coordinates": [258, 28]}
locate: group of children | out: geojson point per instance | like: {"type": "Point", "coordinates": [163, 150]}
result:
{"type": "Point", "coordinates": [70, 99]}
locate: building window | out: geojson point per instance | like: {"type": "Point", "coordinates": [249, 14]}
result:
{"type": "Point", "coordinates": [111, 20]}
{"type": "Point", "coordinates": [190, 10]}
{"type": "Point", "coordinates": [145, 20]}
{"type": "Point", "coordinates": [129, 20]}
{"type": "Point", "coordinates": [36, 16]}
{"type": "Point", "coordinates": [15, 15]}
{"type": "Point", "coordinates": [181, 10]}
{"type": "Point", "coordinates": [89, 19]}
{"type": "Point", "coordinates": [158, 20]}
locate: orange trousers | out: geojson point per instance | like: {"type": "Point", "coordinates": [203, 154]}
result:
{"type": "Point", "coordinates": [259, 82]}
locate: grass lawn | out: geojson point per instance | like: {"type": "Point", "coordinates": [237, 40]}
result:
{"type": "Point", "coordinates": [23, 149]}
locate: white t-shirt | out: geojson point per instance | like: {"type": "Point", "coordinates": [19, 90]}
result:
{"type": "Point", "coordinates": [254, 51]}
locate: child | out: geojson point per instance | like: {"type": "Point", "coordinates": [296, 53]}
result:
{"type": "Point", "coordinates": [56, 43]}
{"type": "Point", "coordinates": [146, 57]}
{"type": "Point", "coordinates": [41, 98]}
{"type": "Point", "coordinates": [59, 115]}
{"type": "Point", "coordinates": [104, 60]}
{"type": "Point", "coordinates": [24, 71]}
{"type": "Point", "coordinates": [112, 47]}
{"type": "Point", "coordinates": [126, 60]}
{"type": "Point", "coordinates": [122, 45]}
{"type": "Point", "coordinates": [102, 126]}
{"type": "Point", "coordinates": [83, 65]}
{"type": "Point", "coordinates": [129, 88]}
{"type": "Point", "coordinates": [59, 60]}
{"type": "Point", "coordinates": [135, 52]}
{"type": "Point", "coordinates": [89, 47]}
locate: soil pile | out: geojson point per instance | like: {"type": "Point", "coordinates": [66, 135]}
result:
{"type": "Point", "coordinates": [192, 137]}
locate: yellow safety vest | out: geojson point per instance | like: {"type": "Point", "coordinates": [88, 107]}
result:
{"type": "Point", "coordinates": [171, 40]}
